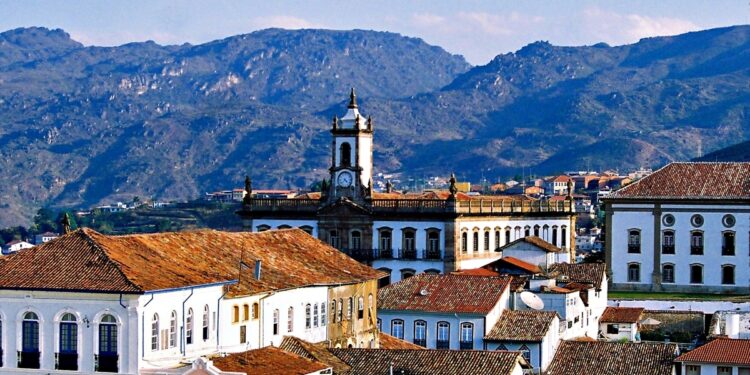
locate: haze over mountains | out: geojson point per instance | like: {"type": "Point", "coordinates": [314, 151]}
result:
{"type": "Point", "coordinates": [84, 125]}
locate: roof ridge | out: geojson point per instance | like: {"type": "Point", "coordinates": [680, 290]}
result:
{"type": "Point", "coordinates": [87, 237]}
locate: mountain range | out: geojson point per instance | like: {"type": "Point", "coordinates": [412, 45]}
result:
{"type": "Point", "coordinates": [86, 125]}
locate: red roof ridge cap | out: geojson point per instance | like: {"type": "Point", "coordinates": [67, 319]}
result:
{"type": "Point", "coordinates": [86, 234]}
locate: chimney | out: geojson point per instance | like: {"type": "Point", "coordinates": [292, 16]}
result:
{"type": "Point", "coordinates": [732, 329]}
{"type": "Point", "coordinates": [257, 269]}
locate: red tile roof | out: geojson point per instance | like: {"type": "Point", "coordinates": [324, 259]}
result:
{"type": "Point", "coordinates": [522, 325]}
{"type": "Point", "coordinates": [477, 272]}
{"type": "Point", "coordinates": [86, 260]}
{"type": "Point", "coordinates": [612, 358]}
{"type": "Point", "coordinates": [526, 266]}
{"type": "Point", "coordinates": [430, 362]}
{"type": "Point", "coordinates": [389, 342]}
{"type": "Point", "coordinates": [692, 180]}
{"type": "Point", "coordinates": [536, 241]}
{"type": "Point", "coordinates": [317, 352]}
{"type": "Point", "coordinates": [444, 293]}
{"type": "Point", "coordinates": [720, 351]}
{"type": "Point", "coordinates": [621, 315]}
{"type": "Point", "coordinates": [268, 361]}
{"type": "Point", "coordinates": [589, 273]}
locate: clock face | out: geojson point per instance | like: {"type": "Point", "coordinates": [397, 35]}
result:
{"type": "Point", "coordinates": [345, 179]}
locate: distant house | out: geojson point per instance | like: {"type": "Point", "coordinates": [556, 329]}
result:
{"type": "Point", "coordinates": [619, 323]}
{"type": "Point", "coordinates": [721, 356]}
{"type": "Point", "coordinates": [533, 333]}
{"type": "Point", "coordinates": [534, 250]}
{"type": "Point", "coordinates": [14, 246]}
{"type": "Point", "coordinates": [557, 185]}
{"type": "Point", "coordinates": [117, 207]}
{"type": "Point", "coordinates": [602, 357]}
{"type": "Point", "coordinates": [44, 237]}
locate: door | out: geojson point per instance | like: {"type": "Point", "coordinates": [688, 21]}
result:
{"type": "Point", "coordinates": [107, 348]}
{"type": "Point", "coordinates": [67, 358]}
{"type": "Point", "coordinates": [29, 345]}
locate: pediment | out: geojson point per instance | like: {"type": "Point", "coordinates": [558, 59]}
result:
{"type": "Point", "coordinates": [344, 207]}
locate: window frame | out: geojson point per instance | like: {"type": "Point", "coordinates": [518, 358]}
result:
{"type": "Point", "coordinates": [725, 267]}
{"type": "Point", "coordinates": [420, 326]}
{"type": "Point", "coordinates": [632, 279]}
{"type": "Point", "coordinates": [634, 241]}
{"type": "Point", "coordinates": [693, 267]}
{"type": "Point", "coordinates": [394, 323]}
{"type": "Point", "coordinates": [664, 273]}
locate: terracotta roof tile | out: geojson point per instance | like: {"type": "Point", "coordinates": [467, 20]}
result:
{"type": "Point", "coordinates": [318, 352]}
{"type": "Point", "coordinates": [444, 293]}
{"type": "Point", "coordinates": [526, 266]}
{"type": "Point", "coordinates": [536, 241]}
{"type": "Point", "coordinates": [610, 358]}
{"type": "Point", "coordinates": [477, 272]}
{"type": "Point", "coordinates": [621, 315]}
{"type": "Point", "coordinates": [692, 180]}
{"type": "Point", "coordinates": [432, 362]}
{"type": "Point", "coordinates": [269, 361]}
{"type": "Point", "coordinates": [590, 273]}
{"type": "Point", "coordinates": [522, 325]}
{"type": "Point", "coordinates": [89, 261]}
{"type": "Point", "coordinates": [720, 351]}
{"type": "Point", "coordinates": [389, 342]}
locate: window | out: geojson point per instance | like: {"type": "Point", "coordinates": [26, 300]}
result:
{"type": "Point", "coordinates": [256, 310]}
{"type": "Point", "coordinates": [308, 229]}
{"type": "Point", "coordinates": [1, 341]}
{"type": "Point", "coordinates": [420, 333]}
{"type": "Point", "coordinates": [333, 311]}
{"type": "Point", "coordinates": [696, 274]}
{"type": "Point", "coordinates": [467, 336]}
{"type": "Point", "coordinates": [355, 240]}
{"type": "Point", "coordinates": [409, 239]}
{"type": "Point", "coordinates": [350, 309]}
{"type": "Point", "coordinates": [554, 235]}
{"type": "Point", "coordinates": [323, 316]}
{"type": "Point", "coordinates": [173, 329]}
{"type": "Point", "coordinates": [475, 241]}
{"type": "Point", "coordinates": [380, 325]}
{"type": "Point", "coordinates": [667, 273]}
{"type": "Point", "coordinates": [245, 312]}
{"type": "Point", "coordinates": [497, 239]}
{"type": "Point", "coordinates": [507, 235]}
{"type": "Point", "coordinates": [397, 328]}
{"type": "Point", "coordinates": [290, 319]}
{"type": "Point", "coordinates": [346, 155]}
{"type": "Point", "coordinates": [386, 242]}
{"type": "Point", "coordinates": [361, 308]}
{"type": "Point", "coordinates": [697, 221]}
{"type": "Point", "coordinates": [668, 220]}
{"type": "Point", "coordinates": [276, 322]}
{"type": "Point", "coordinates": [501, 347]}
{"type": "Point", "coordinates": [433, 244]}
{"type": "Point", "coordinates": [263, 228]}
{"type": "Point", "coordinates": [205, 323]}
{"type": "Point", "coordinates": [189, 327]}
{"type": "Point", "coordinates": [407, 273]}
{"type": "Point", "coordinates": [315, 315]}
{"type": "Point", "coordinates": [634, 272]}
{"type": "Point", "coordinates": [536, 230]}
{"type": "Point", "coordinates": [525, 352]}
{"type": "Point", "coordinates": [727, 274]}
{"type": "Point", "coordinates": [634, 241]}
{"type": "Point", "coordinates": [333, 239]}
{"type": "Point", "coordinates": [67, 358]}
{"type": "Point", "coordinates": [486, 240]}
{"type": "Point", "coordinates": [370, 303]}
{"type": "Point", "coordinates": [692, 370]}
{"type": "Point", "coordinates": [464, 242]}
{"type": "Point", "coordinates": [243, 334]}
{"type": "Point", "coordinates": [696, 243]}
{"type": "Point", "coordinates": [29, 341]}
{"type": "Point", "coordinates": [235, 314]}
{"type": "Point", "coordinates": [155, 332]}
{"type": "Point", "coordinates": [308, 316]}
{"type": "Point", "coordinates": [613, 329]}
{"type": "Point", "coordinates": [727, 243]}
{"type": "Point", "coordinates": [526, 231]}
{"type": "Point", "coordinates": [728, 221]}
{"type": "Point", "coordinates": [563, 236]}
{"type": "Point", "coordinates": [341, 310]}
{"type": "Point", "coordinates": [107, 344]}
{"type": "Point", "coordinates": [667, 242]}
{"type": "Point", "coordinates": [724, 370]}
{"type": "Point", "coordinates": [443, 335]}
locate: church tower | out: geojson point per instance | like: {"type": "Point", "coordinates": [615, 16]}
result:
{"type": "Point", "coordinates": [351, 155]}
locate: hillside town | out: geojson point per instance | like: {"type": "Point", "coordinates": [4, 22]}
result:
{"type": "Point", "coordinates": [578, 273]}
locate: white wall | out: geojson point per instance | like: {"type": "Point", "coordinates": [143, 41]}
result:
{"type": "Point", "coordinates": [298, 299]}
{"type": "Point", "coordinates": [276, 223]}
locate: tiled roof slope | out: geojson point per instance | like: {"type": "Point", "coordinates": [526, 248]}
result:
{"type": "Point", "coordinates": [612, 358]}
{"type": "Point", "coordinates": [268, 361]}
{"type": "Point", "coordinates": [444, 293]}
{"type": "Point", "coordinates": [522, 325]}
{"type": "Point", "coordinates": [621, 315]}
{"type": "Point", "coordinates": [518, 263]}
{"type": "Point", "coordinates": [429, 362]}
{"type": "Point", "coordinates": [720, 351]}
{"type": "Point", "coordinates": [590, 273]}
{"type": "Point", "coordinates": [691, 180]}
{"type": "Point", "coordinates": [536, 241]}
{"type": "Point", "coordinates": [318, 352]}
{"type": "Point", "coordinates": [389, 342]}
{"type": "Point", "coordinates": [86, 260]}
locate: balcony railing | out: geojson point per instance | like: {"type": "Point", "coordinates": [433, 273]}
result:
{"type": "Point", "coordinates": [667, 249]}
{"type": "Point", "coordinates": [466, 345]}
{"type": "Point", "coordinates": [420, 342]}
{"type": "Point", "coordinates": [634, 248]}
{"type": "Point", "coordinates": [273, 204]}
{"type": "Point", "coordinates": [106, 362]}
{"type": "Point", "coordinates": [443, 344]}
{"type": "Point", "coordinates": [508, 206]}
{"type": "Point", "coordinates": [28, 359]}
{"type": "Point", "coordinates": [727, 250]}
{"type": "Point", "coordinates": [66, 361]}
{"type": "Point", "coordinates": [364, 255]}
{"type": "Point", "coordinates": [696, 250]}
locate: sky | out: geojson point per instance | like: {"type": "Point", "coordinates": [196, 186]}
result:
{"type": "Point", "coordinates": [476, 29]}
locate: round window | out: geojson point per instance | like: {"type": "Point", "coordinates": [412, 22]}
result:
{"type": "Point", "coordinates": [728, 221]}
{"type": "Point", "coordinates": [696, 220]}
{"type": "Point", "coordinates": [667, 220]}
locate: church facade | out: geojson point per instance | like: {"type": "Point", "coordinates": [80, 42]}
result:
{"type": "Point", "coordinates": [406, 234]}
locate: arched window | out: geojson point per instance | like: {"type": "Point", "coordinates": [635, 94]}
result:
{"type": "Point", "coordinates": [467, 336]}
{"type": "Point", "coordinates": [526, 231]}
{"type": "Point", "coordinates": [443, 335]}
{"type": "Point", "coordinates": [407, 273]}
{"type": "Point", "coordinates": [667, 273]}
{"type": "Point", "coordinates": [346, 154]}
{"type": "Point", "coordinates": [525, 352]}
{"type": "Point", "coordinates": [486, 240]}
{"type": "Point", "coordinates": [341, 310]}
{"type": "Point", "coordinates": [308, 316]}
{"type": "Point", "coordinates": [517, 233]}
{"type": "Point", "coordinates": [370, 302]}
{"type": "Point", "coordinates": [245, 312]}
{"type": "Point", "coordinates": [696, 242]}
{"type": "Point", "coordinates": [29, 341]}
{"type": "Point", "coordinates": [380, 325]}
{"type": "Point", "coordinates": [727, 274]}
{"type": "Point", "coordinates": [350, 309]}
{"type": "Point", "coordinates": [323, 314]}
{"type": "Point", "coordinates": [315, 315]}
{"type": "Point", "coordinates": [507, 236]}
{"type": "Point", "coordinates": [564, 236]}
{"type": "Point", "coordinates": [397, 328]}
{"type": "Point", "coordinates": [554, 235]}
{"type": "Point", "coordinates": [67, 358]}
{"type": "Point", "coordinates": [634, 240]}
{"type": "Point", "coordinates": [464, 242]}
{"type": "Point", "coordinates": [256, 310]}
{"type": "Point", "coordinates": [333, 239]}
{"type": "Point", "coordinates": [355, 240]}
{"type": "Point", "coordinates": [155, 332]}
{"type": "Point", "coordinates": [173, 330]}
{"type": "Point", "coordinates": [263, 228]}
{"type": "Point", "coordinates": [420, 333]}
{"type": "Point", "coordinates": [284, 226]}
{"type": "Point", "coordinates": [497, 239]}
{"type": "Point", "coordinates": [667, 242]}
{"type": "Point", "coordinates": [696, 274]}
{"type": "Point", "coordinates": [205, 322]}
{"type": "Point", "coordinates": [385, 240]}
{"type": "Point", "coordinates": [408, 239]}
{"type": "Point", "coordinates": [290, 319]}
{"type": "Point", "coordinates": [107, 344]}
{"type": "Point", "coordinates": [634, 272]}
{"type": "Point", "coordinates": [235, 314]}
{"type": "Point", "coordinates": [275, 322]}
{"type": "Point", "coordinates": [361, 308]}
{"type": "Point", "coordinates": [545, 232]}
{"type": "Point", "coordinates": [333, 311]}
{"type": "Point", "coordinates": [475, 240]}
{"type": "Point", "coordinates": [189, 328]}
{"type": "Point", "coordinates": [308, 229]}
{"type": "Point", "coordinates": [536, 230]}
{"type": "Point", "coordinates": [727, 243]}
{"type": "Point", "coordinates": [432, 271]}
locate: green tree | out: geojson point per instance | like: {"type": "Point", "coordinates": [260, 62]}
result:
{"type": "Point", "coordinates": [44, 220]}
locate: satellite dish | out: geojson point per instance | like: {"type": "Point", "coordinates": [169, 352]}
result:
{"type": "Point", "coordinates": [423, 292]}
{"type": "Point", "coordinates": [532, 300]}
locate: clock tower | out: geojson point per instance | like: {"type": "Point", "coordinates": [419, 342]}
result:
{"type": "Point", "coordinates": [351, 155]}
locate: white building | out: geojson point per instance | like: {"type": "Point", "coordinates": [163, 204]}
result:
{"type": "Point", "coordinates": [621, 323]}
{"type": "Point", "coordinates": [44, 237]}
{"type": "Point", "coordinates": [535, 334]}
{"type": "Point", "coordinates": [683, 228]}
{"type": "Point", "coordinates": [721, 356]}
{"type": "Point", "coordinates": [125, 304]}
{"type": "Point", "coordinates": [406, 234]}
{"type": "Point", "coordinates": [14, 246]}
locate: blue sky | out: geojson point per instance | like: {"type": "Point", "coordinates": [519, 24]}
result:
{"type": "Point", "coordinates": [477, 29]}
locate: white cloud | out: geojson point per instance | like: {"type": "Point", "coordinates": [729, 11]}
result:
{"type": "Point", "coordinates": [284, 22]}
{"type": "Point", "coordinates": [616, 28]}
{"type": "Point", "coordinates": [427, 19]}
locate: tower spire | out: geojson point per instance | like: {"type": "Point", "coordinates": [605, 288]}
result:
{"type": "Point", "coordinates": [352, 99]}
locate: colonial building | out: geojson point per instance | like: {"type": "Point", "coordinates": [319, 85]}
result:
{"type": "Point", "coordinates": [600, 357]}
{"type": "Point", "coordinates": [621, 323]}
{"type": "Point", "coordinates": [88, 302]}
{"type": "Point", "coordinates": [721, 356]}
{"type": "Point", "coordinates": [406, 234]}
{"type": "Point", "coordinates": [683, 228]}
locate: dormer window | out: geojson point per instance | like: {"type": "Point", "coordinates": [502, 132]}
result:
{"type": "Point", "coordinates": [346, 155]}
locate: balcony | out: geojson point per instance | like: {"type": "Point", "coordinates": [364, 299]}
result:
{"type": "Point", "coordinates": [366, 255]}
{"type": "Point", "coordinates": [727, 250]}
{"type": "Point", "coordinates": [106, 362]}
{"type": "Point", "coordinates": [420, 342]}
{"type": "Point", "coordinates": [408, 253]}
{"type": "Point", "coordinates": [443, 344]}
{"type": "Point", "coordinates": [433, 254]}
{"type": "Point", "coordinates": [696, 250]}
{"type": "Point", "coordinates": [634, 248]}
{"type": "Point", "coordinates": [66, 361]}
{"type": "Point", "coordinates": [667, 249]}
{"type": "Point", "coordinates": [28, 359]}
{"type": "Point", "coordinates": [466, 345]}
{"type": "Point", "coordinates": [285, 205]}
